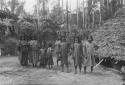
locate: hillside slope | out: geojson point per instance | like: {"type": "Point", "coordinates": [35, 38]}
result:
{"type": "Point", "coordinates": [111, 36]}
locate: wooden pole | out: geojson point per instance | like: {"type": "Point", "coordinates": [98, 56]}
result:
{"type": "Point", "coordinates": [38, 5]}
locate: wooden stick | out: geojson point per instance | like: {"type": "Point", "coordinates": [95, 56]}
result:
{"type": "Point", "coordinates": [98, 63]}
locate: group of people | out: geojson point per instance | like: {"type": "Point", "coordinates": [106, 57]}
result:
{"type": "Point", "coordinates": [82, 52]}
{"type": "Point", "coordinates": [30, 52]}
{"type": "Point", "coordinates": [46, 56]}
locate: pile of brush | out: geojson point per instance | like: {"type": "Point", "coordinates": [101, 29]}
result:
{"type": "Point", "coordinates": [111, 36]}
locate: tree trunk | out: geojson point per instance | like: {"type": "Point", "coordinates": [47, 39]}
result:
{"type": "Point", "coordinates": [83, 14]}
{"type": "Point", "coordinates": [67, 16]}
{"type": "Point", "coordinates": [93, 19]}
{"type": "Point", "coordinates": [43, 8]}
{"type": "Point", "coordinates": [77, 10]}
{"type": "Point", "coordinates": [100, 17]}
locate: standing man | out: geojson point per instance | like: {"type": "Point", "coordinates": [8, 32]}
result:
{"type": "Point", "coordinates": [64, 53]}
{"type": "Point", "coordinates": [77, 55]}
{"type": "Point", "coordinates": [90, 59]}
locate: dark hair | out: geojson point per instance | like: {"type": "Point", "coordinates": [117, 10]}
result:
{"type": "Point", "coordinates": [50, 45]}
{"type": "Point", "coordinates": [63, 38]}
{"type": "Point", "coordinates": [78, 39]}
{"type": "Point", "coordinates": [90, 38]}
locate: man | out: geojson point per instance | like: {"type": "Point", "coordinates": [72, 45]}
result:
{"type": "Point", "coordinates": [77, 55]}
{"type": "Point", "coordinates": [90, 60]}
{"type": "Point", "coordinates": [64, 53]}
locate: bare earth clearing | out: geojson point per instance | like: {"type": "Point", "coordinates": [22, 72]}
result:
{"type": "Point", "coordinates": [11, 73]}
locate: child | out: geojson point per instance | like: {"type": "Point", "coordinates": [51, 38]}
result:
{"type": "Point", "coordinates": [57, 46]}
{"type": "Point", "coordinates": [77, 55]}
{"type": "Point", "coordinates": [49, 57]}
{"type": "Point", "coordinates": [90, 59]}
{"type": "Point", "coordinates": [42, 57]}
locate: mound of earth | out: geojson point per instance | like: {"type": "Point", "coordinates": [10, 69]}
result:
{"type": "Point", "coordinates": [111, 36]}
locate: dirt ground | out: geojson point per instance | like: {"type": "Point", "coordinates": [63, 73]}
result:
{"type": "Point", "coordinates": [11, 73]}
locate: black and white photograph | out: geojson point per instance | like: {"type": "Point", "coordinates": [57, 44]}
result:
{"type": "Point", "coordinates": [62, 42]}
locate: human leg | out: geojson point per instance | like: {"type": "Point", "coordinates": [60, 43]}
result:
{"type": "Point", "coordinates": [75, 69]}
{"type": "Point", "coordinates": [91, 68]}
{"type": "Point", "coordinates": [62, 67]}
{"type": "Point", "coordinates": [85, 69]}
{"type": "Point", "coordinates": [80, 68]}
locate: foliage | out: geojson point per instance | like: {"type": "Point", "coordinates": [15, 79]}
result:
{"type": "Point", "coordinates": [2, 4]}
{"type": "Point", "coordinates": [48, 30]}
{"type": "Point", "coordinates": [20, 8]}
{"type": "Point", "coordinates": [11, 9]}
{"type": "Point", "coordinates": [99, 11]}
{"type": "Point", "coordinates": [42, 8]}
{"type": "Point", "coordinates": [13, 4]}
{"type": "Point", "coordinates": [10, 46]}
{"type": "Point", "coordinates": [26, 29]}
{"type": "Point", "coordinates": [4, 28]}
{"type": "Point", "coordinates": [5, 14]}
{"type": "Point", "coordinates": [57, 15]}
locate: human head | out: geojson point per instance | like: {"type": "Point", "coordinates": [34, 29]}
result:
{"type": "Point", "coordinates": [76, 40]}
{"type": "Point", "coordinates": [33, 37]}
{"type": "Point", "coordinates": [50, 44]}
{"type": "Point", "coordinates": [58, 38]}
{"type": "Point", "coordinates": [90, 39]}
{"type": "Point", "coordinates": [63, 39]}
